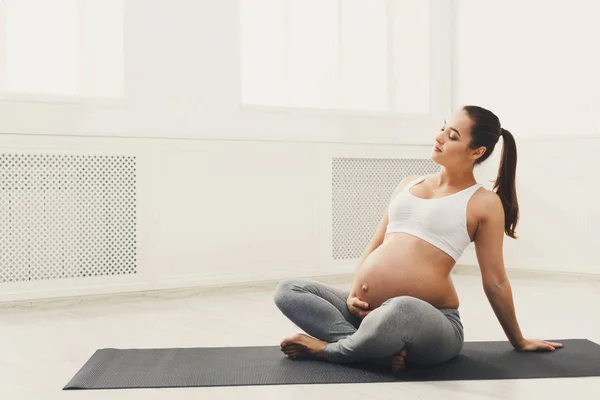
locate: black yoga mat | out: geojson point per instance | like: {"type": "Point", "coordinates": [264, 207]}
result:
{"type": "Point", "coordinates": [267, 365]}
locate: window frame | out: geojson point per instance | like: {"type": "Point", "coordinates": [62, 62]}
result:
{"type": "Point", "coordinates": [35, 97]}
{"type": "Point", "coordinates": [442, 76]}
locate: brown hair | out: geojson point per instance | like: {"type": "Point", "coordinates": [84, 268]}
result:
{"type": "Point", "coordinates": [486, 131]}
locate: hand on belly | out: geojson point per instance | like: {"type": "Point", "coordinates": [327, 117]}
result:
{"type": "Point", "coordinates": [379, 283]}
{"type": "Point", "coordinates": [363, 295]}
{"type": "Point", "coordinates": [375, 288]}
{"type": "Point", "coordinates": [401, 268]}
{"type": "Point", "coordinates": [372, 297]}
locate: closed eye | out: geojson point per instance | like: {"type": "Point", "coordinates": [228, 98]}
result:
{"type": "Point", "coordinates": [451, 138]}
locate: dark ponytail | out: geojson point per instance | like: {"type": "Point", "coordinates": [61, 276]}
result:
{"type": "Point", "coordinates": [486, 131]}
{"type": "Point", "coordinates": [505, 183]}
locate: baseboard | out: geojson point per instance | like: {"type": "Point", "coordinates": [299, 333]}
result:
{"type": "Point", "coordinates": [268, 280]}
{"type": "Point", "coordinates": [178, 285]}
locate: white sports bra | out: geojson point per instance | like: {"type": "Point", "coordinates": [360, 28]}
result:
{"type": "Point", "coordinates": [441, 221]}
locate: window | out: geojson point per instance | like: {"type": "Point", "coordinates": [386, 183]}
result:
{"type": "Point", "coordinates": [61, 48]}
{"type": "Point", "coordinates": [361, 55]}
{"type": "Point", "coordinates": [533, 63]}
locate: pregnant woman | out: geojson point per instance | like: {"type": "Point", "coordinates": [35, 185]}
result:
{"type": "Point", "coordinates": [402, 304]}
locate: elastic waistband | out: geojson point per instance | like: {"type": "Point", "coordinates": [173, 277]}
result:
{"type": "Point", "coordinates": [449, 311]}
{"type": "Point", "coordinates": [453, 315]}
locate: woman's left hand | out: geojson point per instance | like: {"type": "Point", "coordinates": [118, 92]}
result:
{"type": "Point", "coordinates": [537, 344]}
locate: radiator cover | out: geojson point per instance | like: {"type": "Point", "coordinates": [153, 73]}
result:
{"type": "Point", "coordinates": [361, 191]}
{"type": "Point", "coordinates": [67, 216]}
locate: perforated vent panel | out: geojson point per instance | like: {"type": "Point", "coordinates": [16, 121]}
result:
{"type": "Point", "coordinates": [361, 191]}
{"type": "Point", "coordinates": [66, 216]}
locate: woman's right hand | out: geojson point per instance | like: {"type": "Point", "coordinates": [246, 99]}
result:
{"type": "Point", "coordinates": [357, 307]}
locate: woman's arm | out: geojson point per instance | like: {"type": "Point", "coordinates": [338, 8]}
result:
{"type": "Point", "coordinates": [488, 247]}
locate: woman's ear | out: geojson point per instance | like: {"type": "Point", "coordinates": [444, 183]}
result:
{"type": "Point", "coordinates": [478, 152]}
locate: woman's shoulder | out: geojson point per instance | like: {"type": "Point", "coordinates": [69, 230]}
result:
{"type": "Point", "coordinates": [484, 202]}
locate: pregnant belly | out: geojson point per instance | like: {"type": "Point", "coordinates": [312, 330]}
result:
{"type": "Point", "coordinates": [403, 269]}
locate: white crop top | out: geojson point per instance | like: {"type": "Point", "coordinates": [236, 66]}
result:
{"type": "Point", "coordinates": [441, 221]}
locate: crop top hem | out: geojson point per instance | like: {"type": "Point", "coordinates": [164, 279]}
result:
{"type": "Point", "coordinates": [442, 246]}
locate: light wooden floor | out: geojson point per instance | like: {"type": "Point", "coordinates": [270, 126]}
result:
{"type": "Point", "coordinates": [45, 343]}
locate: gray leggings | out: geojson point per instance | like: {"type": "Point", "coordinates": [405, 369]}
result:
{"type": "Point", "coordinates": [430, 335]}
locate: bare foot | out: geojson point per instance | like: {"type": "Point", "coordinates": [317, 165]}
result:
{"type": "Point", "coordinates": [303, 346]}
{"type": "Point", "coordinates": [398, 361]}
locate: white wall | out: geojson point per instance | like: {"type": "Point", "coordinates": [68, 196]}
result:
{"type": "Point", "coordinates": [535, 64]}
{"type": "Point", "coordinates": [557, 182]}
{"type": "Point", "coordinates": [558, 201]}
{"type": "Point", "coordinates": [214, 211]}
{"type": "Point", "coordinates": [183, 81]}
{"type": "Point", "coordinates": [225, 193]}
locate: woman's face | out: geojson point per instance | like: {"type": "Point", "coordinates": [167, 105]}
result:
{"type": "Point", "coordinates": [453, 140]}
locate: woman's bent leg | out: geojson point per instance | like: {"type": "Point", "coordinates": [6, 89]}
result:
{"type": "Point", "coordinates": [430, 335]}
{"type": "Point", "coordinates": [317, 308]}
